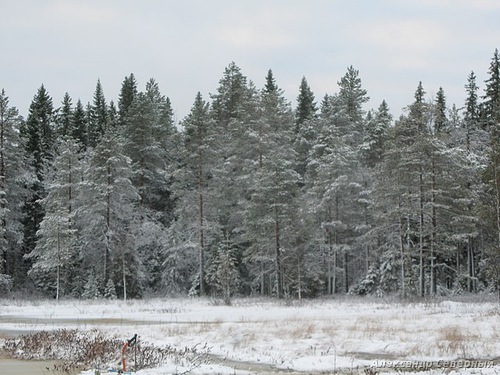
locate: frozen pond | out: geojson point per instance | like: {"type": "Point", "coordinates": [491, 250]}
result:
{"type": "Point", "coordinates": [255, 336]}
{"type": "Point", "coordinates": [10, 366]}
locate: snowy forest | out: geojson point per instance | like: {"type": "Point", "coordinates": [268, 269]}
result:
{"type": "Point", "coordinates": [250, 194]}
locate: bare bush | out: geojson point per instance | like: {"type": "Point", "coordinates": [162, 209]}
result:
{"type": "Point", "coordinates": [77, 349]}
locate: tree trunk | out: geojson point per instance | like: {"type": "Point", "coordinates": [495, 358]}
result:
{"type": "Point", "coordinates": [299, 280]}
{"type": "Point", "coordinates": [421, 280]}
{"type": "Point", "coordinates": [470, 266]}
{"type": "Point", "coordinates": [434, 230]}
{"type": "Point", "coordinates": [279, 269]}
{"type": "Point", "coordinates": [124, 278]}
{"type": "Point", "coordinates": [3, 253]}
{"type": "Point", "coordinates": [497, 191]}
{"type": "Point", "coordinates": [346, 271]}
{"type": "Point", "coordinates": [202, 229]}
{"type": "Point", "coordinates": [402, 255]}
{"type": "Point", "coordinates": [107, 249]}
{"type": "Point", "coordinates": [58, 267]}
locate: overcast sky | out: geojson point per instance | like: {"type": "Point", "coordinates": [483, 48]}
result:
{"type": "Point", "coordinates": [186, 44]}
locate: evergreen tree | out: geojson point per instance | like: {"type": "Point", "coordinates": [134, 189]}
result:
{"type": "Point", "coordinates": [491, 98]}
{"type": "Point", "coordinates": [64, 117]}
{"type": "Point", "coordinates": [269, 216]}
{"type": "Point", "coordinates": [352, 95]}
{"type": "Point", "coordinates": [471, 115]}
{"type": "Point", "coordinates": [223, 274]}
{"type": "Point", "coordinates": [38, 131]}
{"type": "Point", "coordinates": [197, 159]}
{"type": "Point", "coordinates": [55, 249]}
{"type": "Point", "coordinates": [420, 192]}
{"type": "Point", "coordinates": [375, 135]}
{"type": "Point", "coordinates": [110, 290]}
{"type": "Point", "coordinates": [91, 289]}
{"type": "Point", "coordinates": [491, 122]}
{"type": "Point", "coordinates": [15, 175]}
{"type": "Point", "coordinates": [79, 130]}
{"type": "Point", "coordinates": [38, 135]}
{"type": "Point", "coordinates": [440, 119]}
{"type": "Point", "coordinates": [98, 116]}
{"type": "Point", "coordinates": [305, 119]}
{"type": "Point", "coordinates": [112, 117]}
{"type": "Point", "coordinates": [233, 141]}
{"type": "Point", "coordinates": [333, 195]}
{"type": "Point", "coordinates": [107, 218]}
{"type": "Point", "coordinates": [128, 93]}
{"type": "Point", "coordinates": [306, 107]}
{"type": "Point", "coordinates": [144, 136]}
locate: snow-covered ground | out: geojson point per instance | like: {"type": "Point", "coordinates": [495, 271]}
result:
{"type": "Point", "coordinates": [269, 336]}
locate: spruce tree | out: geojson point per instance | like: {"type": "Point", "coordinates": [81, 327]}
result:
{"type": "Point", "coordinates": [145, 139]}
{"type": "Point", "coordinates": [98, 116]}
{"type": "Point", "coordinates": [64, 117]}
{"type": "Point", "coordinates": [491, 122]}
{"type": "Point", "coordinates": [375, 134]}
{"type": "Point", "coordinates": [491, 98]}
{"type": "Point", "coordinates": [440, 119]}
{"type": "Point", "coordinates": [15, 176]}
{"type": "Point", "coordinates": [128, 93]}
{"type": "Point", "coordinates": [79, 129]}
{"type": "Point", "coordinates": [306, 106]}
{"type": "Point", "coordinates": [38, 134]}
{"type": "Point", "coordinates": [305, 125]}
{"type": "Point", "coordinates": [471, 115]}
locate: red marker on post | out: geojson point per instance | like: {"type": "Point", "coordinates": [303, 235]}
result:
{"type": "Point", "coordinates": [128, 343]}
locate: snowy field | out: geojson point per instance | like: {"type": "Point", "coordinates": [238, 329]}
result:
{"type": "Point", "coordinates": [256, 336]}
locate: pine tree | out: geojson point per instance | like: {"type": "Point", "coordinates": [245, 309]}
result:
{"type": "Point", "coordinates": [352, 95]}
{"type": "Point", "coordinates": [107, 218]}
{"type": "Point", "coordinates": [270, 210]}
{"type": "Point", "coordinates": [197, 163]}
{"type": "Point", "coordinates": [55, 249]}
{"type": "Point", "coordinates": [473, 138]}
{"type": "Point", "coordinates": [333, 195]}
{"type": "Point", "coordinates": [233, 141]}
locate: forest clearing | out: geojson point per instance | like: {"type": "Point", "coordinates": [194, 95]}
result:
{"type": "Point", "coordinates": [203, 336]}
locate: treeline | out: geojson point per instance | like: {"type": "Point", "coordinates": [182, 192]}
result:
{"type": "Point", "coordinates": [247, 195]}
